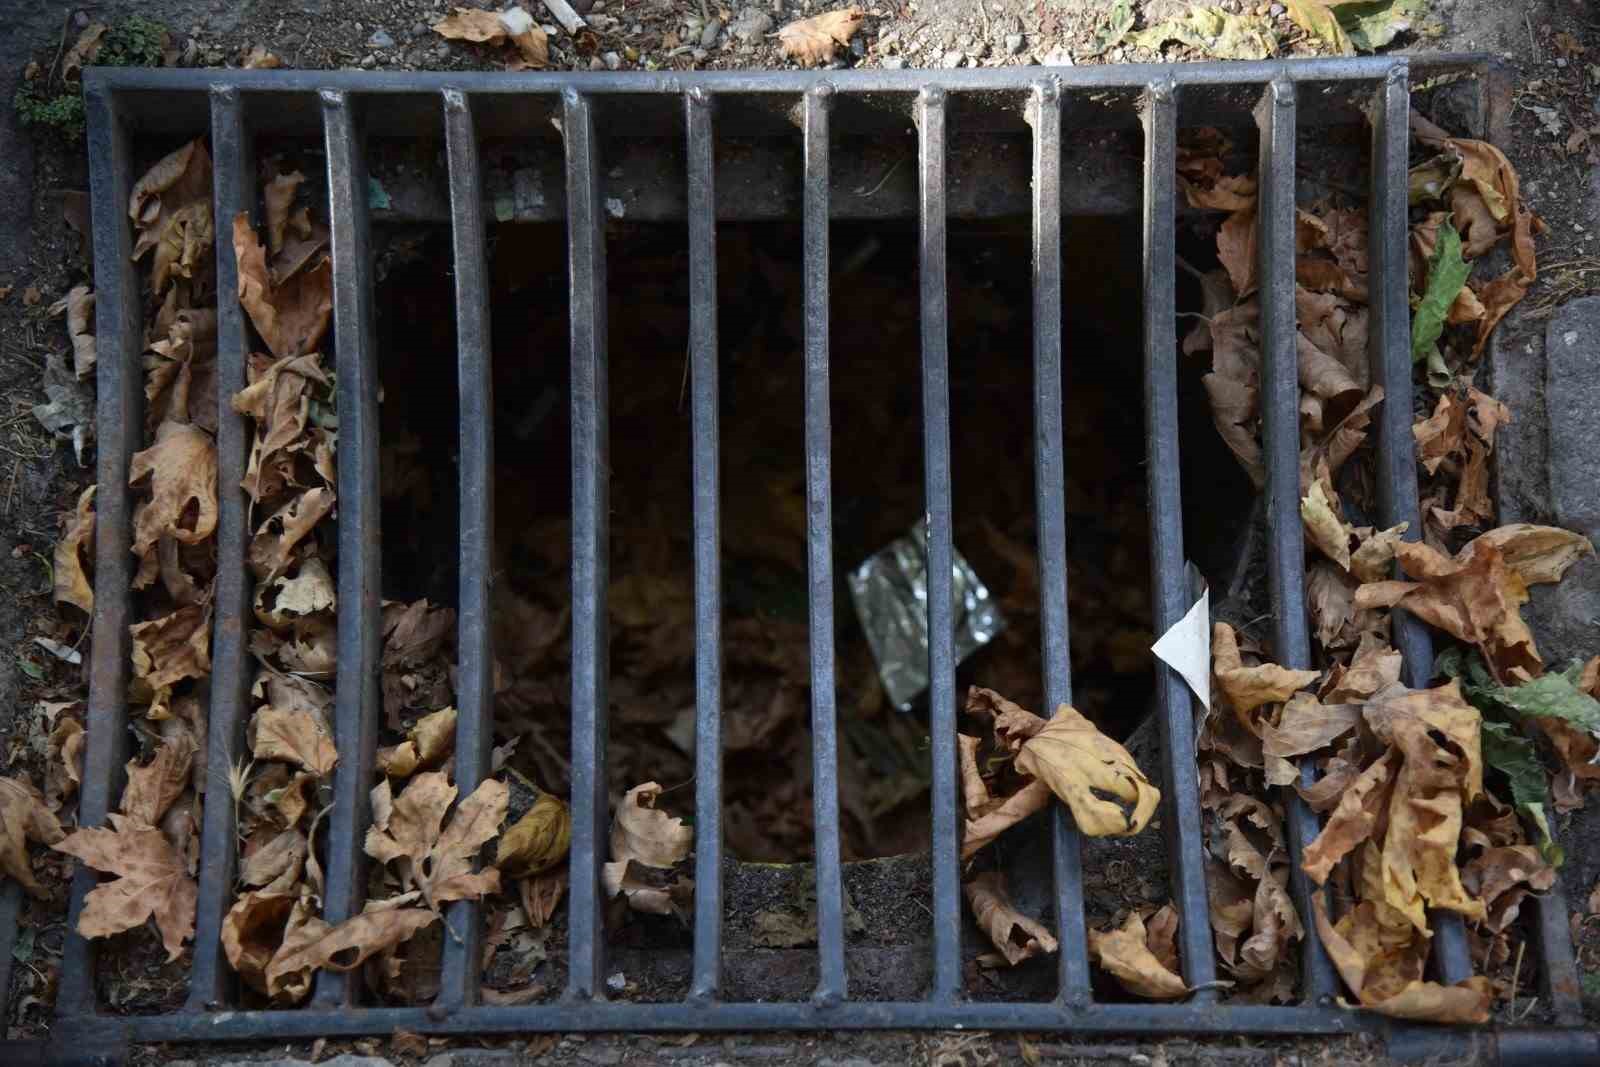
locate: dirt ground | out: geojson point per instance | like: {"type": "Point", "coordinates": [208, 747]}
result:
{"type": "Point", "coordinates": [42, 178]}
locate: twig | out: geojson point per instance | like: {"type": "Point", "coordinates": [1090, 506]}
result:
{"type": "Point", "coordinates": [881, 181]}
{"type": "Point", "coordinates": [61, 47]}
{"type": "Point", "coordinates": [1516, 972]}
{"type": "Point", "coordinates": [570, 20]}
{"type": "Point", "coordinates": [1532, 40]}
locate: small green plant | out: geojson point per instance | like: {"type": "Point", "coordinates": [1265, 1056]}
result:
{"type": "Point", "coordinates": [62, 114]}
{"type": "Point", "coordinates": [134, 42]}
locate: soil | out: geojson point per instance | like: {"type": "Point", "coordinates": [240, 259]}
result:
{"type": "Point", "coordinates": [41, 183]}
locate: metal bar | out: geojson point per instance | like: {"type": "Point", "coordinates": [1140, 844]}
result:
{"type": "Point", "coordinates": [1559, 982]}
{"type": "Point", "coordinates": [119, 414]}
{"type": "Point", "coordinates": [1389, 354]}
{"type": "Point", "coordinates": [1049, 471]}
{"type": "Point", "coordinates": [474, 631]}
{"type": "Point", "coordinates": [590, 540]}
{"type": "Point", "coordinates": [589, 1015]}
{"type": "Point", "coordinates": [930, 115]}
{"type": "Point", "coordinates": [707, 977]}
{"type": "Point", "coordinates": [211, 983]}
{"type": "Point", "coordinates": [792, 82]}
{"type": "Point", "coordinates": [831, 984]}
{"type": "Point", "coordinates": [360, 642]}
{"type": "Point", "coordinates": [1280, 390]}
{"type": "Point", "coordinates": [1180, 783]}
{"type": "Point", "coordinates": [10, 923]}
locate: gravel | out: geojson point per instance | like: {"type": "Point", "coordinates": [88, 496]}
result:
{"type": "Point", "coordinates": [1014, 44]}
{"type": "Point", "coordinates": [380, 39]}
{"type": "Point", "coordinates": [751, 25]}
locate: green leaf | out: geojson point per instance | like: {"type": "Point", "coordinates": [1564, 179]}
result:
{"type": "Point", "coordinates": [1516, 757]}
{"type": "Point", "coordinates": [1371, 25]}
{"type": "Point", "coordinates": [1554, 694]}
{"type": "Point", "coordinates": [1316, 17]}
{"type": "Point", "coordinates": [1119, 20]}
{"type": "Point", "coordinates": [1214, 31]}
{"type": "Point", "coordinates": [1447, 273]}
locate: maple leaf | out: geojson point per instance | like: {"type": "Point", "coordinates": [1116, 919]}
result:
{"type": "Point", "coordinates": [1016, 936]}
{"type": "Point", "coordinates": [431, 856]}
{"type": "Point", "coordinates": [642, 835]}
{"type": "Point", "coordinates": [152, 881]}
{"type": "Point", "coordinates": [1093, 775]}
{"type": "Point", "coordinates": [155, 786]}
{"type": "Point", "coordinates": [815, 40]}
{"type": "Point", "coordinates": [1141, 959]}
{"type": "Point", "coordinates": [173, 647]}
{"type": "Point", "coordinates": [295, 735]}
{"type": "Point", "coordinates": [310, 943]}
{"type": "Point", "coordinates": [23, 818]}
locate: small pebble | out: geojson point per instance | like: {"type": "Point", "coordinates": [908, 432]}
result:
{"type": "Point", "coordinates": [894, 62]}
{"type": "Point", "coordinates": [380, 39]}
{"type": "Point", "coordinates": [617, 982]}
{"type": "Point", "coordinates": [1058, 57]}
{"type": "Point", "coordinates": [595, 63]}
{"type": "Point", "coordinates": [858, 47]}
{"type": "Point", "coordinates": [613, 61]}
{"type": "Point", "coordinates": [699, 54]}
{"type": "Point", "coordinates": [708, 36]}
{"type": "Point", "coordinates": [1013, 44]}
{"type": "Point", "coordinates": [1276, 10]}
{"type": "Point", "coordinates": [965, 40]}
{"type": "Point", "coordinates": [978, 51]}
{"type": "Point", "coordinates": [81, 19]}
{"type": "Point", "coordinates": [752, 25]}
{"type": "Point", "coordinates": [420, 29]}
{"type": "Point", "coordinates": [952, 60]}
{"type": "Point", "coordinates": [1561, 62]}
{"type": "Point", "coordinates": [369, 61]}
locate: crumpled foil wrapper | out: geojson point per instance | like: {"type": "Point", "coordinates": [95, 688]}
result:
{"type": "Point", "coordinates": [890, 590]}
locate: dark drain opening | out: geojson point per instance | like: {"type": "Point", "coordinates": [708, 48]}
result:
{"type": "Point", "coordinates": [878, 492]}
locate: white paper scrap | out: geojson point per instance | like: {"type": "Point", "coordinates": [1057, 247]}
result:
{"type": "Point", "coordinates": [1186, 648]}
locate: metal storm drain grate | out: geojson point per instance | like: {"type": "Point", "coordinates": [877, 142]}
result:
{"type": "Point", "coordinates": [125, 106]}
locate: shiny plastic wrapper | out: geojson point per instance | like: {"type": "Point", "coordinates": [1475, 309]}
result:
{"type": "Point", "coordinates": [890, 590]}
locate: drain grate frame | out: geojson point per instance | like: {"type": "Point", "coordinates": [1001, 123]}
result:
{"type": "Point", "coordinates": [122, 103]}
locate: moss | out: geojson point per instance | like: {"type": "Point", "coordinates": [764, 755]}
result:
{"type": "Point", "coordinates": [134, 42]}
{"type": "Point", "coordinates": [61, 114]}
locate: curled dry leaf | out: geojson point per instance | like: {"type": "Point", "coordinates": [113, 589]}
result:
{"type": "Point", "coordinates": [986, 817]}
{"type": "Point", "coordinates": [428, 744]}
{"type": "Point", "coordinates": [277, 865]}
{"type": "Point", "coordinates": [291, 315]}
{"type": "Point", "coordinates": [153, 882]}
{"type": "Point", "coordinates": [171, 209]}
{"type": "Point", "coordinates": [643, 835]}
{"type": "Point", "coordinates": [1248, 688]}
{"type": "Point", "coordinates": [814, 41]}
{"type": "Point", "coordinates": [536, 842]}
{"type": "Point", "coordinates": [431, 855]}
{"type": "Point", "coordinates": [315, 944]}
{"type": "Point", "coordinates": [73, 555]}
{"type": "Point", "coordinates": [1093, 775]}
{"type": "Point", "coordinates": [23, 818]}
{"type": "Point", "coordinates": [540, 895]}
{"type": "Point", "coordinates": [1015, 936]}
{"type": "Point", "coordinates": [1380, 956]}
{"type": "Point", "coordinates": [79, 306]}
{"type": "Point", "coordinates": [1127, 954]}
{"type": "Point", "coordinates": [498, 27]}
{"type": "Point", "coordinates": [1325, 526]}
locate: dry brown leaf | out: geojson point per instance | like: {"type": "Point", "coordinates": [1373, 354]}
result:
{"type": "Point", "coordinates": [170, 205]}
{"type": "Point", "coordinates": [180, 372]}
{"type": "Point", "coordinates": [1093, 775]}
{"type": "Point", "coordinates": [1326, 527]}
{"type": "Point", "coordinates": [278, 198]}
{"type": "Point", "coordinates": [1373, 559]}
{"type": "Point", "coordinates": [277, 865]}
{"type": "Point", "coordinates": [156, 786]}
{"type": "Point", "coordinates": [1236, 250]}
{"type": "Point", "coordinates": [431, 855]}
{"type": "Point", "coordinates": [1248, 688]}
{"type": "Point", "coordinates": [497, 27]}
{"type": "Point", "coordinates": [1353, 820]}
{"type": "Point", "coordinates": [428, 744]}
{"type": "Point", "coordinates": [258, 58]}
{"type": "Point", "coordinates": [23, 818]}
{"type": "Point", "coordinates": [173, 647]}
{"type": "Point", "coordinates": [181, 469]}
{"type": "Point", "coordinates": [1016, 936]}
{"type": "Point", "coordinates": [295, 736]}
{"type": "Point", "coordinates": [986, 817]}
{"type": "Point", "coordinates": [536, 842]}
{"type": "Point", "coordinates": [1441, 434]}
{"type": "Point", "coordinates": [1502, 877]}
{"type": "Point", "coordinates": [272, 549]}
{"type": "Point", "coordinates": [252, 932]}
{"type": "Point", "coordinates": [64, 761]}
{"type": "Point", "coordinates": [291, 316]}
{"type": "Point", "coordinates": [1305, 725]}
{"type": "Point", "coordinates": [1013, 724]}
{"type": "Point", "coordinates": [541, 894]}
{"type": "Point", "coordinates": [814, 41]}
{"type": "Point", "coordinates": [1477, 595]}
{"type": "Point", "coordinates": [314, 944]}
{"type": "Point", "coordinates": [73, 556]}
{"type": "Point", "coordinates": [153, 882]}
{"type": "Point", "coordinates": [1381, 959]}
{"type": "Point", "coordinates": [1224, 192]}
{"type": "Point", "coordinates": [643, 834]}
{"type": "Point", "coordinates": [79, 306]}
{"type": "Point", "coordinates": [1125, 953]}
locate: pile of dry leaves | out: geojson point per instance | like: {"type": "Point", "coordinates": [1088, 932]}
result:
{"type": "Point", "coordinates": [1413, 823]}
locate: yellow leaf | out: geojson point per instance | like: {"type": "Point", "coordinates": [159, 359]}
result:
{"type": "Point", "coordinates": [536, 842]}
{"type": "Point", "coordinates": [815, 40]}
{"type": "Point", "coordinates": [644, 836]}
{"type": "Point", "coordinates": [1125, 953]}
{"type": "Point", "coordinates": [1325, 527]}
{"type": "Point", "coordinates": [1092, 774]}
{"type": "Point", "coordinates": [73, 553]}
